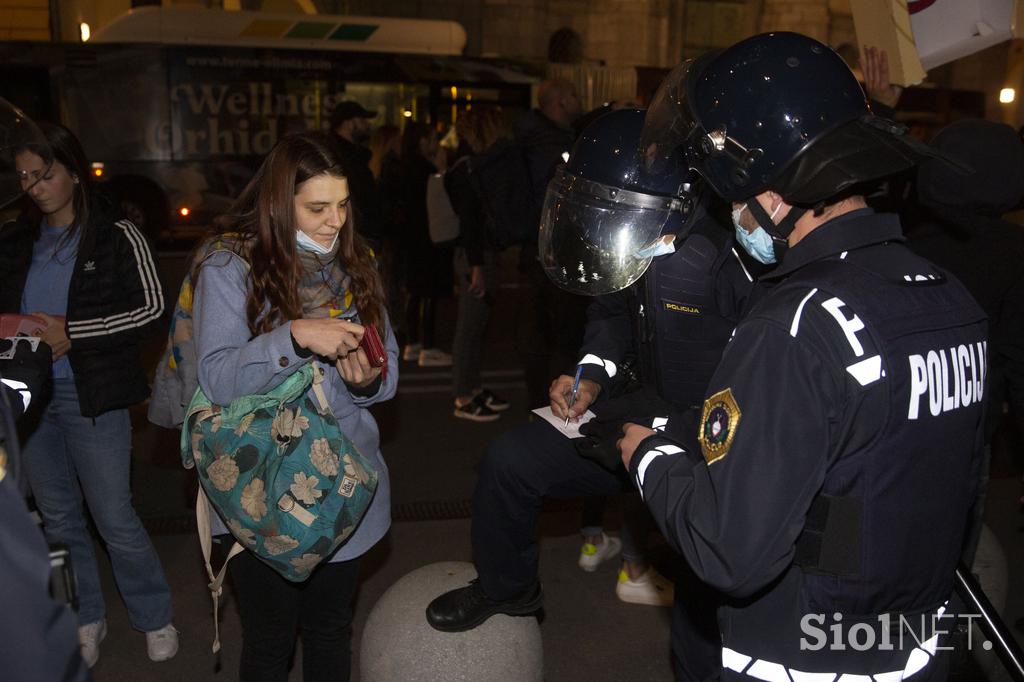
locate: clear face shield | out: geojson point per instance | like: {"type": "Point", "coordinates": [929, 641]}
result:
{"type": "Point", "coordinates": [668, 125]}
{"type": "Point", "coordinates": [596, 239]}
{"type": "Point", "coordinates": [17, 134]}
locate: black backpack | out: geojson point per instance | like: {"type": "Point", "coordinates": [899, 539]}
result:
{"type": "Point", "coordinates": [501, 178]}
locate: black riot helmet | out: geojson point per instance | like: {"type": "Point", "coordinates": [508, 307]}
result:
{"type": "Point", "coordinates": [778, 111]}
{"type": "Point", "coordinates": [605, 215]}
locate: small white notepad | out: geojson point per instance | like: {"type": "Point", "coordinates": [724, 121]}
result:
{"type": "Point", "coordinates": [570, 431]}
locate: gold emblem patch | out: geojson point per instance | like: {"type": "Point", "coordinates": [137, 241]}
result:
{"type": "Point", "coordinates": [718, 425]}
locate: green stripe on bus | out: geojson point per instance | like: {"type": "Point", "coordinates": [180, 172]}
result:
{"type": "Point", "coordinates": [310, 29]}
{"type": "Point", "coordinates": [354, 32]}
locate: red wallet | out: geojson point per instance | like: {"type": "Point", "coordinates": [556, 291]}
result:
{"type": "Point", "coordinates": [374, 348]}
{"type": "Point", "coordinates": [20, 325]}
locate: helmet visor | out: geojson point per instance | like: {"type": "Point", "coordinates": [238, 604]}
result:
{"type": "Point", "coordinates": [18, 134]}
{"type": "Point", "coordinates": [669, 122]}
{"type": "Point", "coordinates": [596, 239]}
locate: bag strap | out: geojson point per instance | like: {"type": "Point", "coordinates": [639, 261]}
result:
{"type": "Point", "coordinates": [216, 584]}
{"type": "Point", "coordinates": [318, 390]}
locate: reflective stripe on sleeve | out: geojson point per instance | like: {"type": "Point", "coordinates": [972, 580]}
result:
{"type": "Point", "coordinates": [650, 456]}
{"type": "Point", "coordinates": [21, 388]}
{"type": "Point", "coordinates": [607, 365]}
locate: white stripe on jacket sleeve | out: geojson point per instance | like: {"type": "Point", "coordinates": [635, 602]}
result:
{"type": "Point", "coordinates": [150, 311]}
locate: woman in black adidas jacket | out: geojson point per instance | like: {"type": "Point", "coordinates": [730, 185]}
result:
{"type": "Point", "coordinates": [74, 262]}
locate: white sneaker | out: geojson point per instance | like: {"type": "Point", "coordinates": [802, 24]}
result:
{"type": "Point", "coordinates": [411, 352]}
{"type": "Point", "coordinates": [162, 644]}
{"type": "Point", "coordinates": [592, 556]}
{"type": "Point", "coordinates": [89, 638]}
{"type": "Point", "coordinates": [434, 357]}
{"type": "Point", "coordinates": [651, 589]}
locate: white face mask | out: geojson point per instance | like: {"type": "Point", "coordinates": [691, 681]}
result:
{"type": "Point", "coordinates": [660, 247]}
{"type": "Point", "coordinates": [307, 243]}
{"type": "Point", "coordinates": [758, 243]}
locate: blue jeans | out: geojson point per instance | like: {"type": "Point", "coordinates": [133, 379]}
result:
{"type": "Point", "coordinates": [66, 455]}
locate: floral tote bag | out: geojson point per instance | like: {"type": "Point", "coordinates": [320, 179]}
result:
{"type": "Point", "coordinates": [290, 486]}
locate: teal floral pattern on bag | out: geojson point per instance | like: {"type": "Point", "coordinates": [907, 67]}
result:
{"type": "Point", "coordinates": [290, 486]}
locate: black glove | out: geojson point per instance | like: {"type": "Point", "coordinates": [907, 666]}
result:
{"type": "Point", "coordinates": [598, 443]}
{"type": "Point", "coordinates": [603, 431]}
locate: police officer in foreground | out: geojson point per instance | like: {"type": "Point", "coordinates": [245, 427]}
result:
{"type": "Point", "coordinates": [838, 444]}
{"type": "Point", "coordinates": [669, 325]}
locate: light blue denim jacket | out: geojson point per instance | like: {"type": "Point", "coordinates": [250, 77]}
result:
{"type": "Point", "coordinates": [231, 365]}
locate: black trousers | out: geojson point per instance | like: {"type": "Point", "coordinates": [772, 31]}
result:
{"type": "Point", "coordinates": [273, 610]}
{"type": "Point", "coordinates": [696, 640]}
{"type": "Point", "coordinates": [520, 468]}
{"type": "Point", "coordinates": [530, 462]}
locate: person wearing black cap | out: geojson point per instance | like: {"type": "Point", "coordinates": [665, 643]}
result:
{"type": "Point", "coordinates": [351, 128]}
{"type": "Point", "coordinates": [839, 445]}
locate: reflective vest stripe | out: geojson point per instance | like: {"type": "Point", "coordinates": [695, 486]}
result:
{"type": "Point", "coordinates": [608, 366]}
{"type": "Point", "coordinates": [770, 671]}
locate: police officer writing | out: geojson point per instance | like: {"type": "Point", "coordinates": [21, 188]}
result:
{"type": "Point", "coordinates": [840, 437]}
{"type": "Point", "coordinates": [682, 294]}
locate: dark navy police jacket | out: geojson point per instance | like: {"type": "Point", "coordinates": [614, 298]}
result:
{"type": "Point", "coordinates": [672, 324]}
{"type": "Point", "coordinates": [40, 636]}
{"type": "Point", "coordinates": [837, 457]}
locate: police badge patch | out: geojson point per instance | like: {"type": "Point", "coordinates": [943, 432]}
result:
{"type": "Point", "coordinates": [718, 422]}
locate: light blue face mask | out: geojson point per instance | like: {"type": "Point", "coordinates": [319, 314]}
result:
{"type": "Point", "coordinates": [757, 243]}
{"type": "Point", "coordinates": [307, 243]}
{"type": "Point", "coordinates": [660, 247]}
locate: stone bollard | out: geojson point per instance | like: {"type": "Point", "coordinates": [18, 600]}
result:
{"type": "Point", "coordinates": [399, 645]}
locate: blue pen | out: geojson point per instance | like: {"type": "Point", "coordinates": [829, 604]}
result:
{"type": "Point", "coordinates": [575, 389]}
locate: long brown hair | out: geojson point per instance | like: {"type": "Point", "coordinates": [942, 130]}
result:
{"type": "Point", "coordinates": [264, 218]}
{"type": "Point", "coordinates": [63, 147]}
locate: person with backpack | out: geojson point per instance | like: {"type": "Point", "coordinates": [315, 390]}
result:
{"type": "Point", "coordinates": [294, 286]}
{"type": "Point", "coordinates": [76, 263]}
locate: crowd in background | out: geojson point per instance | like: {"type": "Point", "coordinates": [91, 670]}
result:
{"type": "Point", "coordinates": [397, 172]}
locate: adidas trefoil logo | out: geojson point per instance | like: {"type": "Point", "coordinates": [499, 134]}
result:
{"type": "Point", "coordinates": [90, 266]}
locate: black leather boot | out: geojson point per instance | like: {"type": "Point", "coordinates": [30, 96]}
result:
{"type": "Point", "coordinates": [467, 607]}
